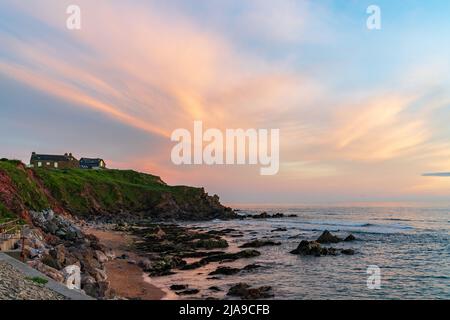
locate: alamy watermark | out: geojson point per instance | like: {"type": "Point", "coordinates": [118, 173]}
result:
{"type": "Point", "coordinates": [374, 278]}
{"type": "Point", "coordinates": [232, 147]}
{"type": "Point", "coordinates": [374, 20]}
{"type": "Point", "coordinates": [73, 21]}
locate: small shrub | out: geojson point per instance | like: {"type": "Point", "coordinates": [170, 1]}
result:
{"type": "Point", "coordinates": [38, 280]}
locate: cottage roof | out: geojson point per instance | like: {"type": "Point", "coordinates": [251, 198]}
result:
{"type": "Point", "coordinates": [51, 157]}
{"type": "Point", "coordinates": [90, 160]}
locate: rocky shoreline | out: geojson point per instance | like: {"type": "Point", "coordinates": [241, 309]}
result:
{"type": "Point", "coordinates": [165, 249]}
{"type": "Point", "coordinates": [153, 250]}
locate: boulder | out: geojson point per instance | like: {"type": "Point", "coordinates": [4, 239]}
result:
{"type": "Point", "coordinates": [350, 237]}
{"type": "Point", "coordinates": [259, 243]}
{"type": "Point", "coordinates": [348, 252]}
{"type": "Point", "coordinates": [308, 248]}
{"type": "Point", "coordinates": [32, 253]}
{"type": "Point", "coordinates": [110, 254]}
{"type": "Point", "coordinates": [101, 256]}
{"type": "Point", "coordinates": [327, 237]}
{"type": "Point", "coordinates": [72, 277]}
{"type": "Point", "coordinates": [48, 271]}
{"type": "Point", "coordinates": [48, 260]}
{"type": "Point", "coordinates": [246, 292]}
{"type": "Point", "coordinates": [145, 264]}
{"type": "Point", "coordinates": [225, 271]}
{"type": "Point", "coordinates": [59, 254]}
{"type": "Point", "coordinates": [211, 244]}
{"type": "Point", "coordinates": [215, 288]}
{"type": "Point", "coordinates": [279, 230]}
{"type": "Point", "coordinates": [251, 267]}
{"type": "Point", "coordinates": [188, 292]}
{"type": "Point", "coordinates": [99, 275]}
{"type": "Point", "coordinates": [178, 287]}
{"type": "Point", "coordinates": [313, 248]}
{"type": "Point", "coordinates": [164, 265]}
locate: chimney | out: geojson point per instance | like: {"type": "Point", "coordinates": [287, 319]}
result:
{"type": "Point", "coordinates": [33, 153]}
{"type": "Point", "coordinates": [66, 154]}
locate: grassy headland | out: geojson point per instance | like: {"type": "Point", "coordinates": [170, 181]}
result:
{"type": "Point", "coordinates": [98, 193]}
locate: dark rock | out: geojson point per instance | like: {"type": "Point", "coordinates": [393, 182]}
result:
{"type": "Point", "coordinates": [51, 262]}
{"type": "Point", "coordinates": [350, 237]}
{"type": "Point", "coordinates": [251, 267]}
{"type": "Point", "coordinates": [188, 292]}
{"type": "Point", "coordinates": [225, 271]}
{"type": "Point", "coordinates": [349, 252]}
{"type": "Point", "coordinates": [308, 248]}
{"type": "Point", "coordinates": [178, 287]}
{"type": "Point", "coordinates": [259, 243]}
{"type": "Point", "coordinates": [263, 215]}
{"type": "Point", "coordinates": [199, 254]}
{"type": "Point", "coordinates": [278, 215]}
{"type": "Point", "coordinates": [145, 264]}
{"type": "Point", "coordinates": [194, 265]}
{"type": "Point", "coordinates": [244, 291]}
{"type": "Point", "coordinates": [327, 237]}
{"type": "Point", "coordinates": [279, 230]}
{"type": "Point", "coordinates": [313, 248]}
{"type": "Point", "coordinates": [214, 288]}
{"type": "Point", "coordinates": [211, 244]}
{"type": "Point", "coordinates": [163, 266]}
{"type": "Point", "coordinates": [245, 254]}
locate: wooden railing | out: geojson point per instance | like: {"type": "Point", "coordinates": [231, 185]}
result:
{"type": "Point", "coordinates": [10, 229]}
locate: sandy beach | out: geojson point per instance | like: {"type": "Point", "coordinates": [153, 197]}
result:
{"type": "Point", "coordinates": [127, 280]}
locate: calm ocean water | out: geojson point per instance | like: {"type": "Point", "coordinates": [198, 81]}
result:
{"type": "Point", "coordinates": [411, 245]}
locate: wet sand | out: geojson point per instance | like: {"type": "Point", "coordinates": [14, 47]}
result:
{"type": "Point", "coordinates": [127, 280]}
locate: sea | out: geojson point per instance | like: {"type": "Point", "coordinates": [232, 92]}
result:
{"type": "Point", "coordinates": [408, 248]}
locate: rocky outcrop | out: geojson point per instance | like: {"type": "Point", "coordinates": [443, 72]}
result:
{"type": "Point", "coordinates": [350, 237]}
{"type": "Point", "coordinates": [308, 248]}
{"type": "Point", "coordinates": [229, 257]}
{"type": "Point", "coordinates": [265, 215]}
{"type": "Point", "coordinates": [231, 271]}
{"type": "Point", "coordinates": [313, 248]}
{"type": "Point", "coordinates": [178, 287]}
{"type": "Point", "coordinates": [328, 237]}
{"type": "Point", "coordinates": [57, 242]}
{"type": "Point", "coordinates": [187, 292]}
{"type": "Point", "coordinates": [259, 244]}
{"type": "Point", "coordinates": [119, 195]}
{"type": "Point", "coordinates": [246, 292]}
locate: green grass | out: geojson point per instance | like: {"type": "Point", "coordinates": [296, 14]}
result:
{"type": "Point", "coordinates": [83, 192]}
{"type": "Point", "coordinates": [5, 214]}
{"type": "Point", "coordinates": [109, 190]}
{"type": "Point", "coordinates": [38, 280]}
{"type": "Point", "coordinates": [29, 192]}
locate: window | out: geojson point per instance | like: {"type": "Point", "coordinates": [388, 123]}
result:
{"type": "Point", "coordinates": [39, 164]}
{"type": "Point", "coordinates": [56, 164]}
{"type": "Point", "coordinates": [48, 163]}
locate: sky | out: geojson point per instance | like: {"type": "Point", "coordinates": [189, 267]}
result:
{"type": "Point", "coordinates": [363, 114]}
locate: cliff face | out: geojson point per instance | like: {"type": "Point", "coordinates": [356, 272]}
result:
{"type": "Point", "coordinates": [105, 194]}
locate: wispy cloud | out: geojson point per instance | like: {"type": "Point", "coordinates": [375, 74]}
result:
{"type": "Point", "coordinates": [154, 68]}
{"type": "Point", "coordinates": [438, 174]}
